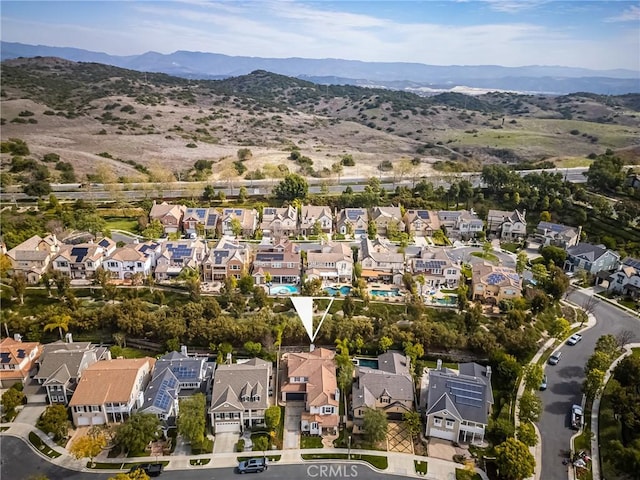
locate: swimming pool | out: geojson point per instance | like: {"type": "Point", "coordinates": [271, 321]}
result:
{"type": "Point", "coordinates": [369, 363]}
{"type": "Point", "coordinates": [449, 300]}
{"type": "Point", "coordinates": [343, 290]}
{"type": "Point", "coordinates": [283, 290]}
{"type": "Point", "coordinates": [394, 292]}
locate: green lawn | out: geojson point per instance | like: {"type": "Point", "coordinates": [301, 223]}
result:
{"type": "Point", "coordinates": [201, 461]}
{"type": "Point", "coordinates": [462, 474]}
{"type": "Point", "coordinates": [43, 447]}
{"type": "Point", "coordinates": [486, 256]}
{"type": "Point", "coordinates": [310, 441]}
{"type": "Point", "coordinates": [421, 467]}
{"type": "Point", "coordinates": [122, 223]}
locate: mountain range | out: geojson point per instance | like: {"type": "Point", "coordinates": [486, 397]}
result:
{"type": "Point", "coordinates": [418, 78]}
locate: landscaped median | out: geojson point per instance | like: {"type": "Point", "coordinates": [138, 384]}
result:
{"type": "Point", "coordinates": [378, 461]}
{"type": "Point", "coordinates": [198, 462]}
{"type": "Point", "coordinates": [37, 442]}
{"type": "Point", "coordinates": [119, 466]}
{"type": "Point", "coordinates": [421, 467]}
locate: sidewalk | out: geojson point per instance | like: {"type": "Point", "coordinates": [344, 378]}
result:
{"type": "Point", "coordinates": [400, 464]}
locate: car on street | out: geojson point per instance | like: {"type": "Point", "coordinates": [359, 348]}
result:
{"type": "Point", "coordinates": [555, 358]}
{"type": "Point", "coordinates": [253, 465]}
{"type": "Point", "coordinates": [573, 339]}
{"type": "Point", "coordinates": [543, 384]}
{"type": "Point", "coordinates": [151, 469]}
{"type": "Point", "coordinates": [577, 417]}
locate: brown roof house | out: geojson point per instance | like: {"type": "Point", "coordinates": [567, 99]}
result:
{"type": "Point", "coordinates": [33, 256]}
{"type": "Point", "coordinates": [421, 223]}
{"type": "Point", "coordinates": [278, 222]}
{"type": "Point", "coordinates": [81, 261]}
{"type": "Point", "coordinates": [311, 378]}
{"type": "Point", "coordinates": [332, 262]}
{"type": "Point", "coordinates": [17, 358]}
{"type": "Point", "coordinates": [280, 261]}
{"type": "Point", "coordinates": [353, 221]}
{"type": "Point", "coordinates": [247, 220]}
{"type": "Point", "coordinates": [381, 261]}
{"type": "Point", "coordinates": [312, 214]}
{"type": "Point", "coordinates": [169, 215]}
{"type": "Point", "coordinates": [384, 216]}
{"type": "Point", "coordinates": [109, 391]}
{"type": "Point", "coordinates": [493, 284]}
{"type": "Point", "coordinates": [226, 259]}
{"type": "Point", "coordinates": [507, 226]}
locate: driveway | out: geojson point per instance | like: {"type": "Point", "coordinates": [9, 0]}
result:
{"type": "Point", "coordinates": [464, 254]}
{"type": "Point", "coordinates": [292, 413]}
{"type": "Point", "coordinates": [225, 442]}
{"type": "Point", "coordinates": [443, 449]}
{"type": "Point", "coordinates": [30, 413]}
{"type": "Point", "coordinates": [564, 382]}
{"type": "Point", "coordinates": [399, 439]}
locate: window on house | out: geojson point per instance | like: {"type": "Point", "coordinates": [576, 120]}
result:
{"type": "Point", "coordinates": [449, 424]}
{"type": "Point", "coordinates": [437, 421]}
{"type": "Point", "coordinates": [385, 400]}
{"type": "Point", "coordinates": [327, 409]}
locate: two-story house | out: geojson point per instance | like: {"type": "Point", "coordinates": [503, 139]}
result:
{"type": "Point", "coordinates": [437, 268]}
{"type": "Point", "coordinates": [387, 387]}
{"type": "Point", "coordinates": [240, 395]}
{"type": "Point", "coordinates": [558, 235]}
{"type": "Point", "coordinates": [353, 221]}
{"type": "Point", "coordinates": [191, 372]}
{"type": "Point", "coordinates": [591, 258]}
{"type": "Point", "coordinates": [200, 221]}
{"type": "Point", "coordinates": [245, 219]}
{"type": "Point", "coordinates": [177, 255]}
{"type": "Point", "coordinates": [384, 216]}
{"type": "Point", "coordinates": [380, 261]}
{"type": "Point", "coordinates": [312, 215]}
{"type": "Point", "coordinates": [507, 226]}
{"type": "Point", "coordinates": [17, 359]}
{"type": "Point", "coordinates": [228, 258]}
{"type": "Point", "coordinates": [81, 261]}
{"type": "Point", "coordinates": [132, 259]}
{"type": "Point", "coordinates": [278, 222]}
{"type": "Point", "coordinates": [463, 224]}
{"type": "Point", "coordinates": [421, 223]}
{"type": "Point", "coordinates": [33, 257]}
{"type": "Point", "coordinates": [281, 263]}
{"type": "Point", "coordinates": [332, 262]}
{"type": "Point", "coordinates": [492, 284]}
{"type": "Point", "coordinates": [626, 280]}
{"type": "Point", "coordinates": [169, 215]}
{"type": "Point", "coordinates": [109, 391]}
{"type": "Point", "coordinates": [311, 378]}
{"type": "Point", "coordinates": [458, 403]}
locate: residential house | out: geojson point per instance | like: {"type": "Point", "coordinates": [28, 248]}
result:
{"type": "Point", "coordinates": [463, 224]}
{"type": "Point", "coordinates": [225, 260]}
{"type": "Point", "coordinates": [132, 259]}
{"type": "Point", "coordinates": [380, 261]}
{"type": "Point", "coordinates": [17, 359]}
{"type": "Point", "coordinates": [200, 221]}
{"type": "Point", "coordinates": [311, 378]}
{"type": "Point", "coordinates": [557, 235]}
{"type": "Point", "coordinates": [247, 220]}
{"type": "Point", "coordinates": [169, 215]}
{"type": "Point", "coordinates": [191, 372]}
{"type": "Point", "coordinates": [279, 222]}
{"type": "Point", "coordinates": [591, 258]}
{"type": "Point", "coordinates": [61, 365]}
{"type": "Point", "coordinates": [353, 221]}
{"type": "Point", "coordinates": [33, 256]}
{"type": "Point", "coordinates": [177, 255]}
{"type": "Point", "coordinates": [281, 262]}
{"type": "Point", "coordinates": [421, 223]}
{"type": "Point", "coordinates": [240, 395]}
{"type": "Point", "coordinates": [387, 387]}
{"type": "Point", "coordinates": [384, 216]}
{"type": "Point", "coordinates": [332, 262]}
{"type": "Point", "coordinates": [626, 280]}
{"type": "Point", "coordinates": [437, 268]}
{"type": "Point", "coordinates": [312, 214]}
{"type": "Point", "coordinates": [507, 226]}
{"type": "Point", "coordinates": [458, 403]}
{"type": "Point", "coordinates": [81, 261]}
{"type": "Point", "coordinates": [109, 391]}
{"type": "Point", "coordinates": [492, 284]}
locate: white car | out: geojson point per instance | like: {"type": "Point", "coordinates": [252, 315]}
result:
{"type": "Point", "coordinates": [573, 339]}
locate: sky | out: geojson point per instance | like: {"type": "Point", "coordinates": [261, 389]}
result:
{"type": "Point", "coordinates": [576, 33]}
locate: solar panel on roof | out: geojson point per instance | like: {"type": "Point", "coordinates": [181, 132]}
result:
{"type": "Point", "coordinates": [104, 242]}
{"type": "Point", "coordinates": [423, 214]}
{"type": "Point", "coordinates": [79, 253]}
{"type": "Point", "coordinates": [5, 357]}
{"type": "Point", "coordinates": [469, 401]}
{"type": "Point", "coordinates": [201, 212]}
{"type": "Point", "coordinates": [238, 212]}
{"type": "Point", "coordinates": [632, 262]}
{"type": "Point", "coordinates": [212, 220]}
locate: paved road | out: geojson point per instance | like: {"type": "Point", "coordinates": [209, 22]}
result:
{"type": "Point", "coordinates": [19, 462]}
{"type": "Point", "coordinates": [565, 383]}
{"type": "Point", "coordinates": [464, 254]}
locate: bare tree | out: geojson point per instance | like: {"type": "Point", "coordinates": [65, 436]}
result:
{"type": "Point", "coordinates": [624, 337]}
{"type": "Point", "coordinates": [589, 304]}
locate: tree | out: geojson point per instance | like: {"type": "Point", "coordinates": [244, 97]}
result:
{"type": "Point", "coordinates": [372, 230]}
{"type": "Point", "coordinates": [559, 328]}
{"type": "Point", "coordinates": [192, 419]}
{"type": "Point", "coordinates": [88, 446]}
{"type": "Point", "coordinates": [209, 193]}
{"type": "Point", "coordinates": [253, 348]}
{"type": "Point", "coordinates": [242, 195]}
{"type": "Point", "coordinates": [260, 444]}
{"type": "Point", "coordinates": [530, 407]}
{"type": "Point", "coordinates": [521, 262]}
{"type": "Point", "coordinates": [413, 351]}
{"type": "Point", "coordinates": [244, 154]}
{"type": "Point", "coordinates": [533, 376]}
{"type": "Point", "coordinates": [154, 230]}
{"type": "Point", "coordinates": [37, 188]}
{"type": "Point", "coordinates": [608, 345]}
{"type": "Point", "coordinates": [54, 420]}
{"type": "Point", "coordinates": [11, 399]}
{"type": "Point", "coordinates": [19, 285]}
{"type": "Point", "coordinates": [272, 417]}
{"type": "Point", "coordinates": [593, 383]}
{"type": "Point", "coordinates": [411, 421]}
{"type": "Point", "coordinates": [384, 344]}
{"type": "Point", "coordinates": [514, 460]}
{"type": "Point", "coordinates": [245, 284]}
{"type": "Point", "coordinates": [527, 434]}
{"type": "Point", "coordinates": [291, 187]}
{"type": "Point", "coordinates": [135, 475]}
{"type": "Point", "coordinates": [59, 321]}
{"type": "Point", "coordinates": [553, 254]}
{"type": "Point", "coordinates": [375, 425]}
{"type": "Point", "coordinates": [136, 433]}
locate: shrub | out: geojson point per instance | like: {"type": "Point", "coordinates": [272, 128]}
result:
{"type": "Point", "coordinates": [240, 445]}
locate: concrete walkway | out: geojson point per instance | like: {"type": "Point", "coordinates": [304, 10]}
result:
{"type": "Point", "coordinates": [400, 464]}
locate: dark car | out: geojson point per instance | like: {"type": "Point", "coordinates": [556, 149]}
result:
{"type": "Point", "coordinates": [151, 469]}
{"type": "Point", "coordinates": [253, 465]}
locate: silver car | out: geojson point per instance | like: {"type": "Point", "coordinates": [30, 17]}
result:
{"type": "Point", "coordinates": [555, 358]}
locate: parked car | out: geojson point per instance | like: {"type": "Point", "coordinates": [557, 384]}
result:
{"type": "Point", "coordinates": [577, 417]}
{"type": "Point", "coordinates": [573, 339]}
{"type": "Point", "coordinates": [253, 465]}
{"type": "Point", "coordinates": [543, 384]}
{"type": "Point", "coordinates": [151, 469]}
{"type": "Point", "coordinates": [555, 358]}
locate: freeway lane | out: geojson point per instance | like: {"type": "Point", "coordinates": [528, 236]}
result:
{"type": "Point", "coordinates": [565, 383]}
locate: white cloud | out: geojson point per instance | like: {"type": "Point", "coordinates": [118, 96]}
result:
{"type": "Point", "coordinates": [632, 14]}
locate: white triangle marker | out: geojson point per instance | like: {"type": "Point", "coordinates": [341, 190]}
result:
{"type": "Point", "coordinates": [304, 308]}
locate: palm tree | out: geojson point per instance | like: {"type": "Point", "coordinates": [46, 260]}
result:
{"type": "Point", "coordinates": [60, 321]}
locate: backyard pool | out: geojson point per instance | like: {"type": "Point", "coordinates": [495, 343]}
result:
{"type": "Point", "coordinates": [449, 300]}
{"type": "Point", "coordinates": [367, 362]}
{"type": "Point", "coordinates": [343, 290]}
{"type": "Point", "coordinates": [283, 290]}
{"type": "Point", "coordinates": [394, 292]}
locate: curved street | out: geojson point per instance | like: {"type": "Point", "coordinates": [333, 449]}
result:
{"type": "Point", "coordinates": [565, 383]}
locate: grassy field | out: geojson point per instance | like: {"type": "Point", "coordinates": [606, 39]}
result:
{"type": "Point", "coordinates": [573, 162]}
{"type": "Point", "coordinates": [490, 257]}
{"type": "Point", "coordinates": [310, 442]}
{"type": "Point", "coordinates": [122, 223]}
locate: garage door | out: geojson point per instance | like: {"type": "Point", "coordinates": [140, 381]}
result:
{"type": "Point", "coordinates": [443, 434]}
{"type": "Point", "coordinates": [295, 397]}
{"type": "Point", "coordinates": [222, 427]}
{"type": "Point", "coordinates": [83, 421]}
{"type": "Point", "coordinates": [97, 421]}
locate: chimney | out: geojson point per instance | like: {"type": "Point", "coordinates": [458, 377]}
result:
{"type": "Point", "coordinates": [183, 350]}
{"type": "Point", "coordinates": [68, 338]}
{"type": "Point", "coordinates": [17, 337]}
{"type": "Point", "coordinates": [439, 364]}
{"type": "Point", "coordinates": [488, 373]}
